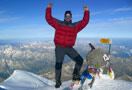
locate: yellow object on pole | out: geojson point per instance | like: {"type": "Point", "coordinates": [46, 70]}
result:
{"type": "Point", "coordinates": [105, 41]}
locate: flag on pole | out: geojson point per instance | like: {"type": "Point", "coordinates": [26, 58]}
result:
{"type": "Point", "coordinates": [105, 41]}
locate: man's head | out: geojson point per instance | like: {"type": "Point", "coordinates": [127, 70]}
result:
{"type": "Point", "coordinates": [68, 16]}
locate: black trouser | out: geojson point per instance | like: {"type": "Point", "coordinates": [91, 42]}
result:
{"type": "Point", "coordinates": [60, 52]}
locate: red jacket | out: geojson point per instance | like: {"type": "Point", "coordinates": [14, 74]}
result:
{"type": "Point", "coordinates": [65, 35]}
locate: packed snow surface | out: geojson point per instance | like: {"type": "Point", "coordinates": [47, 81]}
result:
{"type": "Point", "coordinates": [23, 80]}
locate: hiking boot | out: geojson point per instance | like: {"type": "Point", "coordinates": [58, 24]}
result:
{"type": "Point", "coordinates": [58, 84]}
{"type": "Point", "coordinates": [76, 78]}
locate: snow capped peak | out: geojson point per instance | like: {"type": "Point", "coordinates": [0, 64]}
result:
{"type": "Point", "coordinates": [9, 51]}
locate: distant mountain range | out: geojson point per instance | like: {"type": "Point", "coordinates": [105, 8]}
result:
{"type": "Point", "coordinates": [38, 56]}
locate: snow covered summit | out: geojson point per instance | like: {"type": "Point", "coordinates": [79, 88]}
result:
{"type": "Point", "coordinates": [23, 80]}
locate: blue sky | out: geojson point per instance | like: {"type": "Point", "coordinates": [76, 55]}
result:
{"type": "Point", "coordinates": [26, 18]}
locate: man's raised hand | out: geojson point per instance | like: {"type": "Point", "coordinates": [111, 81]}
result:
{"type": "Point", "coordinates": [49, 5]}
{"type": "Point", "coordinates": [86, 8]}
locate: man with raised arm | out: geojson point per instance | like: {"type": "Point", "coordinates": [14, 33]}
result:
{"type": "Point", "coordinates": [65, 36]}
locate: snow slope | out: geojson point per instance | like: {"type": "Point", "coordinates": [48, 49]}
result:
{"type": "Point", "coordinates": [23, 80]}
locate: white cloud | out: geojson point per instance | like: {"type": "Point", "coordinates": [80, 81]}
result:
{"type": "Point", "coordinates": [116, 10]}
{"type": "Point", "coordinates": [5, 17]}
{"type": "Point", "coordinates": [121, 20]}
{"type": "Point", "coordinates": [124, 9]}
{"type": "Point", "coordinates": [27, 31]}
{"type": "Point", "coordinates": [113, 22]}
{"type": "Point", "coordinates": [8, 19]}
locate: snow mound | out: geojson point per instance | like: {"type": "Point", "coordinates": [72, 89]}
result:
{"type": "Point", "coordinates": [23, 80]}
